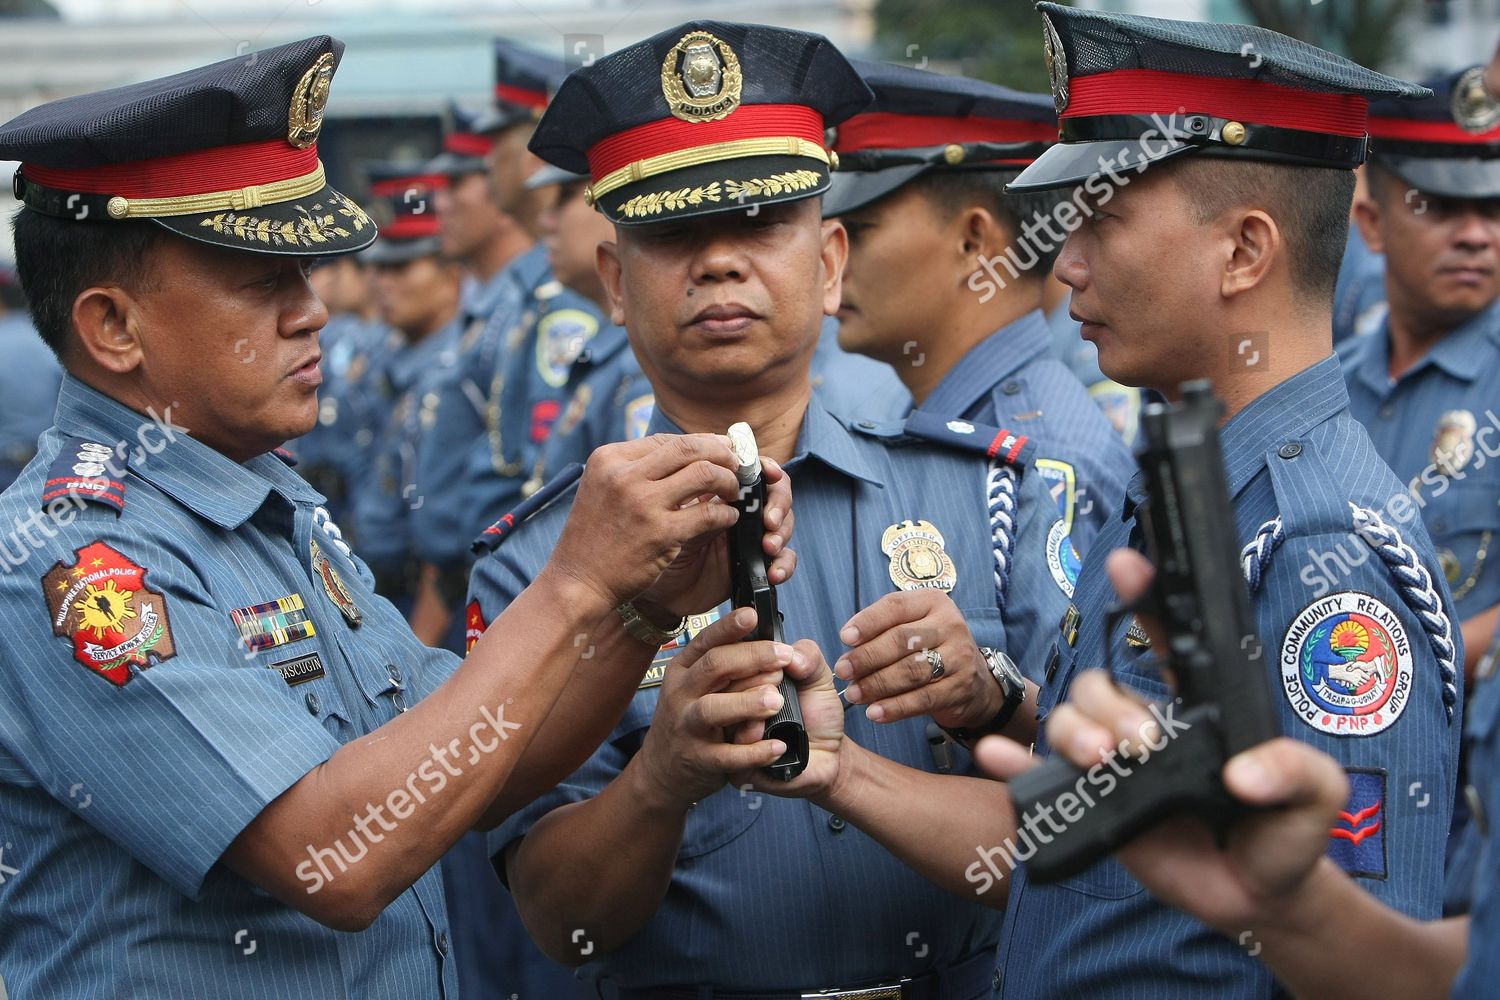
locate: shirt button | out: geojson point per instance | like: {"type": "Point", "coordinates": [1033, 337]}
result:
{"type": "Point", "coordinates": [1289, 450]}
{"type": "Point", "coordinates": [312, 702]}
{"type": "Point", "coordinates": [442, 942]}
{"type": "Point", "coordinates": [836, 824]}
{"type": "Point", "coordinates": [1387, 412]}
{"type": "Point", "coordinates": [867, 425]}
{"type": "Point", "coordinates": [394, 672]}
{"type": "Point", "coordinates": [1011, 387]}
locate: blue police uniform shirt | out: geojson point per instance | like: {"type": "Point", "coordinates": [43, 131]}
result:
{"type": "Point", "coordinates": [385, 509]}
{"type": "Point", "coordinates": [1121, 403]}
{"type": "Point", "coordinates": [1009, 380]}
{"type": "Point", "coordinates": [122, 786]}
{"type": "Point", "coordinates": [29, 378]}
{"type": "Point", "coordinates": [1438, 428]}
{"type": "Point", "coordinates": [1359, 306]}
{"type": "Point", "coordinates": [1361, 655]}
{"type": "Point", "coordinates": [609, 399]}
{"type": "Point", "coordinates": [525, 398]}
{"type": "Point", "coordinates": [740, 853]}
{"type": "Point", "coordinates": [448, 520]}
{"type": "Point", "coordinates": [1482, 745]}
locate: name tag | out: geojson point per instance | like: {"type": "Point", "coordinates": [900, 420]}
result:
{"type": "Point", "coordinates": [299, 669]}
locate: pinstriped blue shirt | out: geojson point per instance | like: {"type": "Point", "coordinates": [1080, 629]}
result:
{"type": "Point", "coordinates": [118, 796]}
{"type": "Point", "coordinates": [766, 890]}
{"type": "Point", "coordinates": [1010, 380]}
{"type": "Point", "coordinates": [447, 521]}
{"type": "Point", "coordinates": [1438, 426]}
{"type": "Point", "coordinates": [1294, 453]}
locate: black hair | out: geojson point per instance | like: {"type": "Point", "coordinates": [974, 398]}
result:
{"type": "Point", "coordinates": [57, 259]}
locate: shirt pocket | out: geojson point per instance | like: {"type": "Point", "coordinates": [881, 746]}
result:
{"type": "Point", "coordinates": [1463, 523]}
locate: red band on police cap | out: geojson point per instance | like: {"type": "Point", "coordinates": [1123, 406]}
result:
{"type": "Point", "coordinates": [467, 144]}
{"type": "Point", "coordinates": [523, 96]}
{"type": "Point", "coordinates": [416, 182]}
{"type": "Point", "coordinates": [669, 135]}
{"type": "Point", "coordinates": [883, 130]}
{"type": "Point", "coordinates": [411, 227]}
{"type": "Point", "coordinates": [1150, 91]}
{"type": "Point", "coordinates": [201, 171]}
{"type": "Point", "coordinates": [1447, 133]}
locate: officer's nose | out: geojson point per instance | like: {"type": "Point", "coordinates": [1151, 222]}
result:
{"type": "Point", "coordinates": [305, 311]}
{"type": "Point", "coordinates": [1070, 268]}
{"type": "Point", "coordinates": [1478, 227]}
{"type": "Point", "coordinates": [720, 258]}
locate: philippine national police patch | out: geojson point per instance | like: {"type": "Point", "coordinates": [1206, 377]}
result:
{"type": "Point", "coordinates": [918, 560]}
{"type": "Point", "coordinates": [1346, 665]}
{"type": "Point", "coordinates": [1356, 841]}
{"type": "Point", "coordinates": [101, 603]}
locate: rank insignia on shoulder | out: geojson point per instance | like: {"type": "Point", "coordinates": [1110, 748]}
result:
{"type": "Point", "coordinates": [87, 470]}
{"type": "Point", "coordinates": [1346, 665]}
{"type": "Point", "coordinates": [992, 442]}
{"type": "Point", "coordinates": [102, 605]}
{"type": "Point", "coordinates": [1356, 841]}
{"type": "Point", "coordinates": [918, 559]}
{"type": "Point", "coordinates": [273, 623]}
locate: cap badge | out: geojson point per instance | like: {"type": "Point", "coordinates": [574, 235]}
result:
{"type": "Point", "coordinates": [1473, 108]}
{"type": "Point", "coordinates": [701, 78]}
{"type": "Point", "coordinates": [309, 97]}
{"type": "Point", "coordinates": [1057, 64]}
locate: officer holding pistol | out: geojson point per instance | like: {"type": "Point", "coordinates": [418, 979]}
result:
{"type": "Point", "coordinates": [721, 270]}
{"type": "Point", "coordinates": [1196, 230]}
{"type": "Point", "coordinates": [217, 738]}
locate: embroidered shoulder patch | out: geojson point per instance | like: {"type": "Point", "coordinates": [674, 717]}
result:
{"type": "Point", "coordinates": [1356, 841]}
{"type": "Point", "coordinates": [101, 604]}
{"type": "Point", "coordinates": [474, 625]}
{"type": "Point", "coordinates": [1346, 665]}
{"type": "Point", "coordinates": [1062, 556]}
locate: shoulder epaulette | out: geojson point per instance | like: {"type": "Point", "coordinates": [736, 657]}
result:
{"type": "Point", "coordinates": [489, 540]}
{"type": "Point", "coordinates": [88, 470]}
{"type": "Point", "coordinates": [992, 442]}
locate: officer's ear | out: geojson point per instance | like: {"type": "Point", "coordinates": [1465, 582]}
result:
{"type": "Point", "coordinates": [1255, 243]}
{"type": "Point", "coordinates": [980, 235]}
{"type": "Point", "coordinates": [835, 256]}
{"type": "Point", "coordinates": [607, 263]}
{"type": "Point", "coordinates": [1368, 217]}
{"type": "Point", "coordinates": [106, 325]}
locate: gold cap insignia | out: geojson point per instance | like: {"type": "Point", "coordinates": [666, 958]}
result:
{"type": "Point", "coordinates": [1057, 64]}
{"type": "Point", "coordinates": [1473, 108]}
{"type": "Point", "coordinates": [1453, 442]}
{"type": "Point", "coordinates": [305, 117]}
{"type": "Point", "coordinates": [701, 79]}
{"type": "Point", "coordinates": [918, 561]}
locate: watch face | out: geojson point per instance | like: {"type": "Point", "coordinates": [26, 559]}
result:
{"type": "Point", "coordinates": [1005, 671]}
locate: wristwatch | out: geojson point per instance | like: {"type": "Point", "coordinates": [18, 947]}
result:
{"type": "Point", "coordinates": [1012, 687]}
{"type": "Point", "coordinates": [641, 627]}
